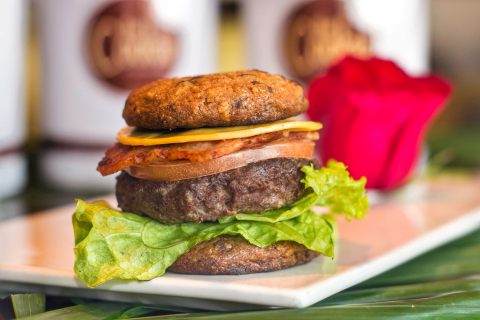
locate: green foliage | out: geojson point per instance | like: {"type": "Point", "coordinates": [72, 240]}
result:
{"type": "Point", "coordinates": [456, 259]}
{"type": "Point", "coordinates": [26, 305]}
{"type": "Point", "coordinates": [460, 305]}
{"type": "Point", "coordinates": [21, 305]}
{"type": "Point", "coordinates": [91, 311]}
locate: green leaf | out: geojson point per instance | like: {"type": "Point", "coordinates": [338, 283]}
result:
{"type": "Point", "coordinates": [332, 187]}
{"type": "Point", "coordinates": [462, 305]}
{"type": "Point", "coordinates": [277, 215]}
{"type": "Point", "coordinates": [100, 311]}
{"type": "Point", "coordinates": [337, 190]}
{"type": "Point", "coordinates": [401, 292]}
{"type": "Point", "coordinates": [127, 246]}
{"type": "Point", "coordinates": [90, 311]}
{"type": "Point", "coordinates": [135, 307]}
{"type": "Point", "coordinates": [456, 259]}
{"type": "Point", "coordinates": [25, 305]}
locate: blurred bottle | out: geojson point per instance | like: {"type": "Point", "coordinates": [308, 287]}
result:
{"type": "Point", "coordinates": [93, 54]}
{"type": "Point", "coordinates": [13, 164]}
{"type": "Point", "coordinates": [300, 38]}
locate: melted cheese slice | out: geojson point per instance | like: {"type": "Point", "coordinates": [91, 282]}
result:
{"type": "Point", "coordinates": [140, 137]}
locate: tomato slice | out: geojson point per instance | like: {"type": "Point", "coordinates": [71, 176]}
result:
{"type": "Point", "coordinates": [185, 169]}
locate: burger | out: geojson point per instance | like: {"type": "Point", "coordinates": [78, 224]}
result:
{"type": "Point", "coordinates": [216, 178]}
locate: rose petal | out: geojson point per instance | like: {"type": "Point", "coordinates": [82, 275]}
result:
{"type": "Point", "coordinates": [431, 94]}
{"type": "Point", "coordinates": [374, 117]}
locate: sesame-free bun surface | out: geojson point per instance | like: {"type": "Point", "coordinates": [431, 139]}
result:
{"type": "Point", "coordinates": [234, 255]}
{"type": "Point", "coordinates": [214, 100]}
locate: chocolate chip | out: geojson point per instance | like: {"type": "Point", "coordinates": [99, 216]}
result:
{"type": "Point", "coordinates": [195, 78]}
{"type": "Point", "coordinates": [223, 246]}
{"type": "Point", "coordinates": [239, 103]}
{"type": "Point", "coordinates": [243, 75]}
{"type": "Point", "coordinates": [269, 89]}
{"type": "Point", "coordinates": [182, 83]}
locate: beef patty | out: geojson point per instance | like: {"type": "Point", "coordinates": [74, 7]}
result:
{"type": "Point", "coordinates": [235, 255]}
{"type": "Point", "coordinates": [255, 188]}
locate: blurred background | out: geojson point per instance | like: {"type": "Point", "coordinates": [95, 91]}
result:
{"type": "Point", "coordinates": [68, 66]}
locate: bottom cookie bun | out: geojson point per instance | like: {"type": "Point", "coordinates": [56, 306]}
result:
{"type": "Point", "coordinates": [233, 255]}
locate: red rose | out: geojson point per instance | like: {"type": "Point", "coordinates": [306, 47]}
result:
{"type": "Point", "coordinates": [375, 117]}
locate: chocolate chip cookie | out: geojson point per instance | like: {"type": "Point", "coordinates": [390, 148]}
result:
{"type": "Point", "coordinates": [214, 100]}
{"type": "Point", "coordinates": [234, 255]}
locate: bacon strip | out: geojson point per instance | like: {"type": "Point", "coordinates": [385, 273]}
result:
{"type": "Point", "coordinates": [120, 157]}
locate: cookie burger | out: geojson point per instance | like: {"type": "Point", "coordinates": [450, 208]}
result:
{"type": "Point", "coordinates": [215, 178]}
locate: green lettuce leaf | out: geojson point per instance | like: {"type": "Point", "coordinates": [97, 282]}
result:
{"type": "Point", "coordinates": [336, 189]}
{"type": "Point", "coordinates": [112, 244]}
{"type": "Point", "coordinates": [332, 187]}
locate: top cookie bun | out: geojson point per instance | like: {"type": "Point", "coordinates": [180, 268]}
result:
{"type": "Point", "coordinates": [214, 100]}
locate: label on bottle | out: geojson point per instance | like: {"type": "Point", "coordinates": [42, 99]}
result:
{"type": "Point", "coordinates": [127, 48]}
{"type": "Point", "coordinates": [319, 33]}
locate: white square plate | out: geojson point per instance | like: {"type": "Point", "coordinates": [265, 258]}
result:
{"type": "Point", "coordinates": [36, 254]}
